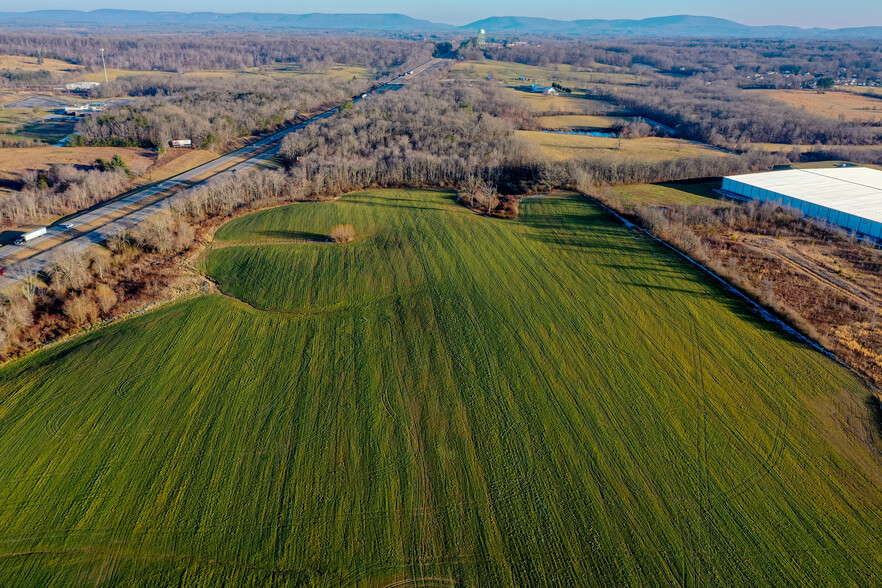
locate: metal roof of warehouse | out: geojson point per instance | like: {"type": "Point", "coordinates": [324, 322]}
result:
{"type": "Point", "coordinates": [853, 190]}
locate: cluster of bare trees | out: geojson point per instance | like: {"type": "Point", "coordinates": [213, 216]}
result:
{"type": "Point", "coordinates": [427, 134]}
{"type": "Point", "coordinates": [65, 189]}
{"type": "Point", "coordinates": [10, 142]}
{"type": "Point", "coordinates": [582, 174]}
{"type": "Point", "coordinates": [722, 114]}
{"type": "Point", "coordinates": [181, 52]}
{"type": "Point", "coordinates": [208, 110]}
{"type": "Point", "coordinates": [86, 288]}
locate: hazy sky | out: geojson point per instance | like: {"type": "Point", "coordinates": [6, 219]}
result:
{"type": "Point", "coordinates": [806, 13]}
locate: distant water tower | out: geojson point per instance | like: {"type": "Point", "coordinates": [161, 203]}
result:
{"type": "Point", "coordinates": [481, 39]}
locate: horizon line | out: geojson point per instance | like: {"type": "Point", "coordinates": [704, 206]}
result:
{"type": "Point", "coordinates": [805, 28]}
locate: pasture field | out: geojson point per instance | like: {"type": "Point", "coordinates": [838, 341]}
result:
{"type": "Point", "coordinates": [26, 63]}
{"type": "Point", "coordinates": [575, 104]}
{"type": "Point", "coordinates": [865, 90]}
{"type": "Point", "coordinates": [564, 147]}
{"type": "Point", "coordinates": [576, 121]}
{"type": "Point", "coordinates": [846, 106]}
{"type": "Point", "coordinates": [16, 116]}
{"type": "Point", "coordinates": [567, 75]}
{"type": "Point", "coordinates": [14, 161]}
{"type": "Point", "coordinates": [554, 400]}
{"type": "Point", "coordinates": [112, 73]}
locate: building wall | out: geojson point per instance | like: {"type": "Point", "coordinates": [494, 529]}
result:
{"type": "Point", "coordinates": [834, 217]}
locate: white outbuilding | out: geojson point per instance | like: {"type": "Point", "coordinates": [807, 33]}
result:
{"type": "Point", "coordinates": [847, 197]}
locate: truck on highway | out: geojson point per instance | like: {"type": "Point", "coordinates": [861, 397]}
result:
{"type": "Point", "coordinates": [27, 237]}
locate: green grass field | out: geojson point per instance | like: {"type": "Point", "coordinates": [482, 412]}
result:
{"type": "Point", "coordinates": [554, 400]}
{"type": "Point", "coordinates": [672, 194]}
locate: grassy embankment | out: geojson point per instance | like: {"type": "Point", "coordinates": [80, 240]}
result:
{"type": "Point", "coordinates": [553, 400]}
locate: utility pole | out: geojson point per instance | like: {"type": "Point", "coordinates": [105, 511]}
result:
{"type": "Point", "coordinates": [105, 66]}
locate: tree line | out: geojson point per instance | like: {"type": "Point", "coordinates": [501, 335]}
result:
{"type": "Point", "coordinates": [227, 51]}
{"type": "Point", "coordinates": [706, 59]}
{"type": "Point", "coordinates": [722, 114]}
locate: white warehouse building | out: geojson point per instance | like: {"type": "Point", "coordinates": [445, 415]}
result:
{"type": "Point", "coordinates": [848, 197]}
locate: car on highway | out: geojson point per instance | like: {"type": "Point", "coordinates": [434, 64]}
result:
{"type": "Point", "coordinates": [2, 271]}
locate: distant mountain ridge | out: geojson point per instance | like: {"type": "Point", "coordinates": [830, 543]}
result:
{"type": "Point", "coordinates": [319, 21]}
{"type": "Point", "coordinates": [666, 26]}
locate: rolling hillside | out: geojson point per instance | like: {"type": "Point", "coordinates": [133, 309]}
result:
{"type": "Point", "coordinates": [550, 401]}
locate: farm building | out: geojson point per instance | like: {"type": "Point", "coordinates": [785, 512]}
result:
{"type": "Point", "coordinates": [540, 89]}
{"type": "Point", "coordinates": [848, 197]}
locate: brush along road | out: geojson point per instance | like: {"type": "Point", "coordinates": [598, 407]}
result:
{"type": "Point", "coordinates": [114, 216]}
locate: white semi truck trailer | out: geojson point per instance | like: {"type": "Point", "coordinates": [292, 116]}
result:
{"type": "Point", "coordinates": [27, 237]}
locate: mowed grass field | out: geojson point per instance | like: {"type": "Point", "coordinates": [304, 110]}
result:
{"type": "Point", "coordinates": [554, 400]}
{"type": "Point", "coordinates": [846, 106]}
{"type": "Point", "coordinates": [564, 147]}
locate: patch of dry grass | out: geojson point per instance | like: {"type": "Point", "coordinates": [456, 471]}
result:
{"type": "Point", "coordinates": [843, 106]}
{"type": "Point", "coordinates": [565, 147]}
{"type": "Point", "coordinates": [14, 162]}
{"type": "Point", "coordinates": [175, 162]}
{"type": "Point", "coordinates": [575, 103]}
{"type": "Point", "coordinates": [32, 64]}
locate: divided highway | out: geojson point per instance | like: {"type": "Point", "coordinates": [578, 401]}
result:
{"type": "Point", "coordinates": [103, 221]}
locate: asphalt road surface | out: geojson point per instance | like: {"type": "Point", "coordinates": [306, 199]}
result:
{"type": "Point", "coordinates": [105, 220]}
